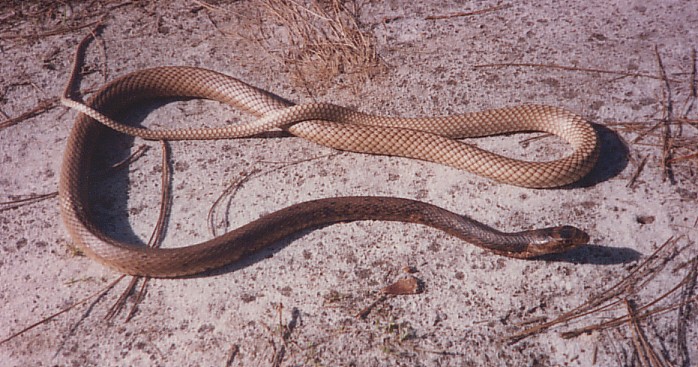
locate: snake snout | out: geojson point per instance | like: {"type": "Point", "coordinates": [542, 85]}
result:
{"type": "Point", "coordinates": [570, 235]}
{"type": "Point", "coordinates": [558, 239]}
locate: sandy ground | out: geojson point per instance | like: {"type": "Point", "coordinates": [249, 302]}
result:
{"type": "Point", "coordinates": [296, 303]}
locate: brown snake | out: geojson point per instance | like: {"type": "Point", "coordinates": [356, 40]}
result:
{"type": "Point", "coordinates": [431, 139]}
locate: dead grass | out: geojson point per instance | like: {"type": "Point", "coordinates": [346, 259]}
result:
{"type": "Point", "coordinates": [319, 40]}
{"type": "Point", "coordinates": [628, 304]}
{"type": "Point", "coordinates": [50, 18]}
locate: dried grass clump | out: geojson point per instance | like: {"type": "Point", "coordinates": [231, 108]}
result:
{"type": "Point", "coordinates": [633, 303]}
{"type": "Point", "coordinates": [321, 39]}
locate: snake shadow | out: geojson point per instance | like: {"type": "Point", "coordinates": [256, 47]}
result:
{"type": "Point", "coordinates": [588, 254]}
{"type": "Point", "coordinates": [595, 255]}
{"type": "Point", "coordinates": [613, 158]}
{"type": "Point", "coordinates": [111, 181]}
{"type": "Point", "coordinates": [110, 189]}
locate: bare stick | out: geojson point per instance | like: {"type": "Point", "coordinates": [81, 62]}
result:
{"type": "Point", "coordinates": [41, 107]}
{"type": "Point", "coordinates": [232, 353]}
{"type": "Point", "coordinates": [14, 204]}
{"type": "Point", "coordinates": [642, 312]}
{"type": "Point", "coordinates": [643, 347]}
{"type": "Point", "coordinates": [233, 188]}
{"type": "Point", "coordinates": [53, 32]}
{"type": "Point", "coordinates": [139, 298]}
{"type": "Point", "coordinates": [469, 13]}
{"type": "Point", "coordinates": [621, 320]}
{"type": "Point", "coordinates": [138, 153]}
{"type": "Point", "coordinates": [571, 68]}
{"type": "Point", "coordinates": [640, 348]}
{"type": "Point", "coordinates": [154, 241]}
{"type": "Point", "coordinates": [683, 158]}
{"type": "Point", "coordinates": [667, 138]}
{"type": "Point", "coordinates": [157, 236]}
{"type": "Point", "coordinates": [525, 142]}
{"type": "Point", "coordinates": [228, 192]}
{"type": "Point", "coordinates": [49, 318]}
{"type": "Point", "coordinates": [121, 301]}
{"type": "Point", "coordinates": [209, 6]}
{"type": "Point", "coordinates": [647, 132]}
{"type": "Point", "coordinates": [594, 305]}
{"type": "Point", "coordinates": [640, 167]}
{"type": "Point", "coordinates": [693, 95]}
{"type": "Point", "coordinates": [685, 310]}
{"type": "Point", "coordinates": [366, 310]}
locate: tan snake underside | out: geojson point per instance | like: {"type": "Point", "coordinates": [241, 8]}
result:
{"type": "Point", "coordinates": [430, 139]}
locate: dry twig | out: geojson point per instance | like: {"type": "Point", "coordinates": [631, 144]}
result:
{"type": "Point", "coordinates": [209, 6]}
{"type": "Point", "coordinates": [233, 188]}
{"type": "Point", "coordinates": [648, 356]}
{"type": "Point", "coordinates": [41, 107]}
{"type": "Point", "coordinates": [640, 167]}
{"type": "Point", "coordinates": [53, 32]}
{"type": "Point", "coordinates": [468, 13]}
{"type": "Point", "coordinates": [667, 117]}
{"type": "Point", "coordinates": [14, 204]}
{"type": "Point", "coordinates": [645, 270]}
{"type": "Point", "coordinates": [96, 295]}
{"type": "Point", "coordinates": [571, 68]}
{"type": "Point", "coordinates": [137, 154]}
{"type": "Point", "coordinates": [621, 294]}
{"type": "Point", "coordinates": [155, 241]}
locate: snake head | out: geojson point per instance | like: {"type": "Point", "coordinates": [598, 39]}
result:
{"type": "Point", "coordinates": [554, 240]}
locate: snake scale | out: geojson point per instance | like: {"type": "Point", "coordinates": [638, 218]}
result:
{"type": "Point", "coordinates": [431, 139]}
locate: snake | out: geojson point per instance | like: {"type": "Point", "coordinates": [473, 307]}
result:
{"type": "Point", "coordinates": [433, 139]}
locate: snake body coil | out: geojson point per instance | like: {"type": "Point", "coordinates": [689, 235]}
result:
{"type": "Point", "coordinates": [431, 139]}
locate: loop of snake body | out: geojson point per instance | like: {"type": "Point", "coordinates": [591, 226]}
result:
{"type": "Point", "coordinates": [431, 139]}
